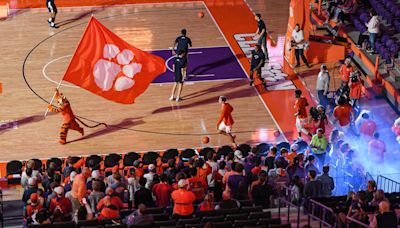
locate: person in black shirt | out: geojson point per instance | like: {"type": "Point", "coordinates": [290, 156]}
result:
{"type": "Point", "coordinates": [261, 35]}
{"type": "Point", "coordinates": [179, 64]}
{"type": "Point", "coordinates": [261, 191]}
{"type": "Point", "coordinates": [270, 159]}
{"type": "Point", "coordinates": [313, 187]}
{"type": "Point", "coordinates": [182, 44]}
{"type": "Point", "coordinates": [143, 195]}
{"type": "Point", "coordinates": [257, 62]}
{"type": "Point", "coordinates": [51, 6]}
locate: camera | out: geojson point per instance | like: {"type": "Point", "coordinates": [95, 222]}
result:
{"type": "Point", "coordinates": [354, 76]}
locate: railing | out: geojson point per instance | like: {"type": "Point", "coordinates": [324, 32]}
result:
{"type": "Point", "coordinates": [323, 214]}
{"type": "Point", "coordinates": [355, 221]}
{"type": "Point", "coordinates": [1, 209]}
{"type": "Point", "coordinates": [287, 199]}
{"type": "Point", "coordinates": [387, 185]}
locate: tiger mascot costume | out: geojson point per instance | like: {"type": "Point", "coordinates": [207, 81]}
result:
{"type": "Point", "coordinates": [69, 118]}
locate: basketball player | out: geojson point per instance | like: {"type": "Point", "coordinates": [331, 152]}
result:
{"type": "Point", "coordinates": [225, 121]}
{"type": "Point", "coordinates": [261, 35]}
{"type": "Point", "coordinates": [179, 64]}
{"type": "Point", "coordinates": [51, 6]}
{"type": "Point", "coordinates": [301, 113]}
{"type": "Point", "coordinates": [257, 62]}
{"type": "Point", "coordinates": [182, 43]}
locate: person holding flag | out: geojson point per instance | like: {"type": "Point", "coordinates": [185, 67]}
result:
{"type": "Point", "coordinates": [69, 118]}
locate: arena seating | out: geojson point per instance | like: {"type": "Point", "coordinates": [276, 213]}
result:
{"type": "Point", "coordinates": [244, 217]}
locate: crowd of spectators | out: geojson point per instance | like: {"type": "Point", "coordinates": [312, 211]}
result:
{"type": "Point", "coordinates": [212, 182]}
{"type": "Point", "coordinates": [370, 207]}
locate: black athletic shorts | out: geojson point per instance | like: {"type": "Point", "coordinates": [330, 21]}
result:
{"type": "Point", "coordinates": [178, 77]}
{"type": "Point", "coordinates": [51, 7]}
{"type": "Point", "coordinates": [258, 70]}
{"type": "Point", "coordinates": [185, 57]}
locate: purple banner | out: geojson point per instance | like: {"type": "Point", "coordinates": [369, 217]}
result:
{"type": "Point", "coordinates": [214, 63]}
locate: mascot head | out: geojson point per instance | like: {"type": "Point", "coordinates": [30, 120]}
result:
{"type": "Point", "coordinates": [61, 99]}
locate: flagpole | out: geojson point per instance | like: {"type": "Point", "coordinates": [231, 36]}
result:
{"type": "Point", "coordinates": [52, 99]}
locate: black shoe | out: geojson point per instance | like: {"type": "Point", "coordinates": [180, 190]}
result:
{"type": "Point", "coordinates": [308, 65]}
{"type": "Point", "coordinates": [251, 82]}
{"type": "Point", "coordinates": [264, 84]}
{"type": "Point", "coordinates": [297, 65]}
{"type": "Point", "coordinates": [55, 26]}
{"type": "Point", "coordinates": [48, 22]}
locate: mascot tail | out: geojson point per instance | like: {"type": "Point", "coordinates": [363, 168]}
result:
{"type": "Point", "coordinates": [86, 125]}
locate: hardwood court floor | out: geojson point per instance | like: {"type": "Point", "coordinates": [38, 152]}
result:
{"type": "Point", "coordinates": [152, 123]}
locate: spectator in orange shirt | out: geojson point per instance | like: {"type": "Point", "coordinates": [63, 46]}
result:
{"type": "Point", "coordinates": [343, 113]}
{"type": "Point", "coordinates": [33, 207]}
{"type": "Point", "coordinates": [345, 71]}
{"type": "Point", "coordinates": [301, 113]}
{"type": "Point", "coordinates": [115, 200]}
{"type": "Point", "coordinates": [203, 169]}
{"type": "Point", "coordinates": [60, 202]}
{"type": "Point", "coordinates": [162, 191]}
{"type": "Point", "coordinates": [109, 211]}
{"type": "Point", "coordinates": [292, 154]}
{"type": "Point", "coordinates": [78, 191]}
{"type": "Point", "coordinates": [208, 203]}
{"type": "Point", "coordinates": [183, 200]}
{"type": "Point", "coordinates": [225, 121]}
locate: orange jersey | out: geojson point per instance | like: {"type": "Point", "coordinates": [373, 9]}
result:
{"type": "Point", "coordinates": [345, 72]}
{"type": "Point", "coordinates": [226, 115]}
{"type": "Point", "coordinates": [355, 90]}
{"type": "Point", "coordinates": [343, 113]}
{"type": "Point", "coordinates": [183, 202]}
{"type": "Point", "coordinates": [65, 110]}
{"type": "Point", "coordinates": [300, 106]}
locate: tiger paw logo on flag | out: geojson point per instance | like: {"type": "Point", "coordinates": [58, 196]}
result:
{"type": "Point", "coordinates": [109, 67]}
{"type": "Point", "coordinates": [106, 70]}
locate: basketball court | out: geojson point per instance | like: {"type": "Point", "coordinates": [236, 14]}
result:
{"type": "Point", "coordinates": [218, 65]}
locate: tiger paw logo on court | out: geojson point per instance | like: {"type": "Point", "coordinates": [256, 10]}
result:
{"type": "Point", "coordinates": [117, 70]}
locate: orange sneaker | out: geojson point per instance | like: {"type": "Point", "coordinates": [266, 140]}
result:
{"type": "Point", "coordinates": [62, 141]}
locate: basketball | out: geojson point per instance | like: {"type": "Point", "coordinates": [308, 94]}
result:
{"type": "Point", "coordinates": [277, 133]}
{"type": "Point", "coordinates": [200, 14]}
{"type": "Point", "coordinates": [205, 140]}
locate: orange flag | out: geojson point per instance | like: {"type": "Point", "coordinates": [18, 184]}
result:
{"type": "Point", "coordinates": [108, 66]}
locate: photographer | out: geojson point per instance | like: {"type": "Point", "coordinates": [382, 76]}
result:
{"type": "Point", "coordinates": [299, 45]}
{"type": "Point", "coordinates": [318, 118]}
{"type": "Point", "coordinates": [355, 89]}
{"type": "Point", "coordinates": [323, 85]}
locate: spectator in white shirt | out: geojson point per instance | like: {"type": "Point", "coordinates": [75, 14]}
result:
{"type": "Point", "coordinates": [373, 29]}
{"type": "Point", "coordinates": [323, 85]}
{"type": "Point", "coordinates": [298, 42]}
{"type": "Point", "coordinates": [150, 176]}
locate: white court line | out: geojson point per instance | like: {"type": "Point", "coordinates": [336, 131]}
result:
{"type": "Point", "coordinates": [51, 80]}
{"type": "Point", "coordinates": [266, 107]}
{"type": "Point", "coordinates": [194, 82]}
{"type": "Point", "coordinates": [201, 75]}
{"type": "Point", "coordinates": [193, 75]}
